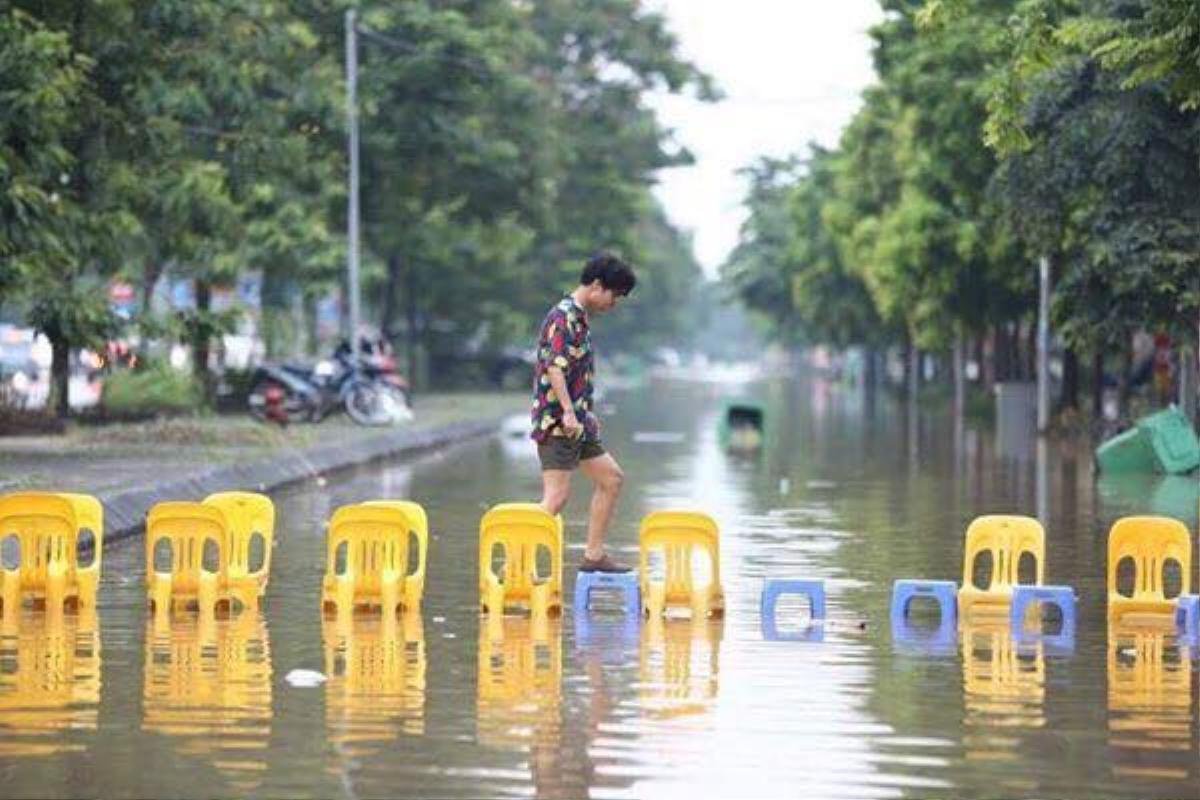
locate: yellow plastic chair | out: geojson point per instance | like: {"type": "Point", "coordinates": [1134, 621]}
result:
{"type": "Point", "coordinates": [189, 528]}
{"type": "Point", "coordinates": [414, 581]}
{"type": "Point", "coordinates": [48, 528]}
{"type": "Point", "coordinates": [375, 565]}
{"type": "Point", "coordinates": [677, 535]}
{"type": "Point", "coordinates": [1006, 538]}
{"type": "Point", "coordinates": [249, 515]}
{"type": "Point", "coordinates": [1150, 542]}
{"type": "Point", "coordinates": [521, 529]}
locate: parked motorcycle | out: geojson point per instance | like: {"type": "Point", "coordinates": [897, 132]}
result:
{"type": "Point", "coordinates": [287, 393]}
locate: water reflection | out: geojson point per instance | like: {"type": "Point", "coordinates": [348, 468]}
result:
{"type": "Point", "coordinates": [207, 683]}
{"type": "Point", "coordinates": [679, 665]}
{"type": "Point", "coordinates": [519, 681]}
{"type": "Point", "coordinates": [376, 686]}
{"type": "Point", "coordinates": [1004, 686]}
{"type": "Point", "coordinates": [1149, 704]}
{"type": "Point", "coordinates": [49, 680]}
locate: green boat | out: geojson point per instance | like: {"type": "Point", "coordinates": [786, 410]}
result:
{"type": "Point", "coordinates": [1164, 442]}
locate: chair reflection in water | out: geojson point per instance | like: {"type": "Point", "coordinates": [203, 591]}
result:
{"type": "Point", "coordinates": [207, 685]}
{"type": "Point", "coordinates": [50, 686]}
{"type": "Point", "coordinates": [519, 700]}
{"type": "Point", "coordinates": [1149, 704]}
{"type": "Point", "coordinates": [40, 540]}
{"type": "Point", "coordinates": [376, 686]}
{"type": "Point", "coordinates": [679, 665]}
{"type": "Point", "coordinates": [1004, 687]}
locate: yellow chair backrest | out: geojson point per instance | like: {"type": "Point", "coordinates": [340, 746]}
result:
{"type": "Point", "coordinates": [46, 527]}
{"type": "Point", "coordinates": [521, 529]}
{"type": "Point", "coordinates": [1150, 542]}
{"type": "Point", "coordinates": [248, 514]}
{"type": "Point", "coordinates": [1007, 538]}
{"type": "Point", "coordinates": [188, 527]}
{"type": "Point", "coordinates": [677, 535]}
{"type": "Point", "coordinates": [418, 526]}
{"type": "Point", "coordinates": [376, 542]}
{"type": "Point", "coordinates": [89, 516]}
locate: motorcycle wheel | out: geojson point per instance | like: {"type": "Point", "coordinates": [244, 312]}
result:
{"type": "Point", "coordinates": [365, 405]}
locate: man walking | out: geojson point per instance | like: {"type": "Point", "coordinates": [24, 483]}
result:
{"type": "Point", "coordinates": [565, 428]}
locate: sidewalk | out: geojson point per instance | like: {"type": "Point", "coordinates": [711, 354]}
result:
{"type": "Point", "coordinates": [129, 467]}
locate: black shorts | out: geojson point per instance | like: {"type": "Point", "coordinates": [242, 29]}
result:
{"type": "Point", "coordinates": [561, 452]}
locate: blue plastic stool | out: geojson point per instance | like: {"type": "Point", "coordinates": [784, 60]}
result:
{"type": "Point", "coordinates": [945, 592]}
{"type": "Point", "coordinates": [625, 582]}
{"type": "Point", "coordinates": [774, 588]}
{"type": "Point", "coordinates": [1061, 596]}
{"type": "Point", "coordinates": [1187, 616]}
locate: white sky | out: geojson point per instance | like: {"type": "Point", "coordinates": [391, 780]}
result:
{"type": "Point", "coordinates": [792, 72]}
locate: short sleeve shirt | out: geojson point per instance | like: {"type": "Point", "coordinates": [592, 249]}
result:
{"type": "Point", "coordinates": [564, 341]}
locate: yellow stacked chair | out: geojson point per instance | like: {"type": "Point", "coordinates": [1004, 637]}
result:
{"type": "Point", "coordinates": [375, 572]}
{"type": "Point", "coordinates": [48, 528]}
{"type": "Point", "coordinates": [190, 529]}
{"type": "Point", "coordinates": [1006, 538]}
{"type": "Point", "coordinates": [677, 535]}
{"type": "Point", "coordinates": [249, 515]}
{"type": "Point", "coordinates": [521, 529]}
{"type": "Point", "coordinates": [1150, 542]}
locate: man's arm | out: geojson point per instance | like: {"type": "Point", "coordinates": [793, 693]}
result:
{"type": "Point", "coordinates": [558, 383]}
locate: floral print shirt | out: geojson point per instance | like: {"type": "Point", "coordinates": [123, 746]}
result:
{"type": "Point", "coordinates": [564, 342]}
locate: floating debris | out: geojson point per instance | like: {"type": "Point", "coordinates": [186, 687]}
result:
{"type": "Point", "coordinates": [659, 437]}
{"type": "Point", "coordinates": [305, 678]}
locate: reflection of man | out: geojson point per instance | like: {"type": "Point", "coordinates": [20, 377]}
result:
{"type": "Point", "coordinates": [565, 427]}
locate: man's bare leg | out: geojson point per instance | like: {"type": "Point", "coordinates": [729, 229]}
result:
{"type": "Point", "coordinates": [556, 488]}
{"type": "Point", "coordinates": [607, 476]}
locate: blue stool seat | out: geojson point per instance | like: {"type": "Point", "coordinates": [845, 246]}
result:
{"type": "Point", "coordinates": [944, 592]}
{"type": "Point", "coordinates": [1061, 596]}
{"type": "Point", "coordinates": [1187, 615]}
{"type": "Point", "coordinates": [774, 588]}
{"type": "Point", "coordinates": [624, 582]}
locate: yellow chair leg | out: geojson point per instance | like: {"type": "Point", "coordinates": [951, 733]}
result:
{"type": "Point", "coordinates": [10, 592]}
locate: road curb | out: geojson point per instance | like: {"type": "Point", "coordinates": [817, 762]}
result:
{"type": "Point", "coordinates": [125, 510]}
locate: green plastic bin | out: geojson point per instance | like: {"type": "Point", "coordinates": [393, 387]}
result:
{"type": "Point", "coordinates": [1172, 440]}
{"type": "Point", "coordinates": [1162, 442]}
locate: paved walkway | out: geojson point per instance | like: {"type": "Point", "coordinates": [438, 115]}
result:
{"type": "Point", "coordinates": [131, 466]}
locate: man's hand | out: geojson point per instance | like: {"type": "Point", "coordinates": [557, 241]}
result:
{"type": "Point", "coordinates": [571, 425]}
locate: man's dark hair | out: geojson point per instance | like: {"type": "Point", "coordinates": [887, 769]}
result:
{"type": "Point", "coordinates": [611, 271]}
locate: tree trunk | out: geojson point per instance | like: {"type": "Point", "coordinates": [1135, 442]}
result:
{"type": "Point", "coordinates": [914, 372]}
{"type": "Point", "coordinates": [60, 375]}
{"type": "Point", "coordinates": [200, 342]}
{"type": "Point", "coordinates": [1124, 389]}
{"type": "Point", "coordinates": [985, 358]}
{"type": "Point", "coordinates": [410, 310]}
{"type": "Point", "coordinates": [151, 273]}
{"type": "Point", "coordinates": [960, 378]}
{"type": "Point", "coordinates": [388, 317]}
{"type": "Point", "coordinates": [1098, 384]}
{"type": "Point", "coordinates": [1070, 395]}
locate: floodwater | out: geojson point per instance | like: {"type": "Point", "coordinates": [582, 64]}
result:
{"type": "Point", "coordinates": [441, 705]}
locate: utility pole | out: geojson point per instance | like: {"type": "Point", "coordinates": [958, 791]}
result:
{"type": "Point", "coordinates": [352, 215]}
{"type": "Point", "coordinates": [1043, 347]}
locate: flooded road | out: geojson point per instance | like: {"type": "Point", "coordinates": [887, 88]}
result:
{"type": "Point", "coordinates": [441, 706]}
